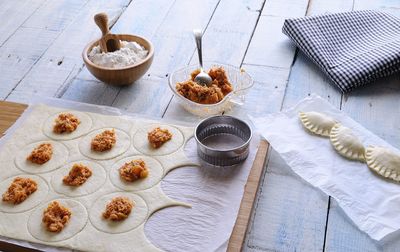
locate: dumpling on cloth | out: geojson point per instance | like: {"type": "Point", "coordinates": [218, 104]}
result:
{"type": "Point", "coordinates": [383, 161]}
{"type": "Point", "coordinates": [317, 123]}
{"type": "Point", "coordinates": [346, 143]}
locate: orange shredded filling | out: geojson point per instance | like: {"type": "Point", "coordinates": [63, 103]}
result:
{"type": "Point", "coordinates": [41, 154]}
{"type": "Point", "coordinates": [55, 217]}
{"type": "Point", "coordinates": [118, 209]}
{"type": "Point", "coordinates": [158, 137]}
{"type": "Point", "coordinates": [19, 190]}
{"type": "Point", "coordinates": [77, 175]}
{"type": "Point", "coordinates": [65, 122]}
{"type": "Point", "coordinates": [133, 170]}
{"type": "Point", "coordinates": [213, 93]}
{"type": "Point", "coordinates": [104, 141]}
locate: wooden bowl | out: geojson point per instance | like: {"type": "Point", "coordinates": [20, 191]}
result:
{"type": "Point", "coordinates": [125, 75]}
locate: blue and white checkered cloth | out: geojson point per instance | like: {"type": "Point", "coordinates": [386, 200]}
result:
{"type": "Point", "coordinates": [352, 48]}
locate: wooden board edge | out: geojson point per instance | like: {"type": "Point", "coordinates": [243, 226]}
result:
{"type": "Point", "coordinates": [238, 235]}
{"type": "Point", "coordinates": [10, 111]}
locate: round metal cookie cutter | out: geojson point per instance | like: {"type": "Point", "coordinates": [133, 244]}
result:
{"type": "Point", "coordinates": [232, 136]}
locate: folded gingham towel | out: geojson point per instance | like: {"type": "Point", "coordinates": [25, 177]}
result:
{"type": "Point", "coordinates": [352, 48]}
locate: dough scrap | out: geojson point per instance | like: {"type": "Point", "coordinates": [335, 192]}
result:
{"type": "Point", "coordinates": [141, 142]}
{"type": "Point", "coordinates": [138, 215]}
{"type": "Point", "coordinates": [75, 224]}
{"type": "Point", "coordinates": [383, 161]}
{"type": "Point", "coordinates": [59, 157]}
{"type": "Point", "coordinates": [120, 147]}
{"type": "Point", "coordinates": [346, 143]}
{"type": "Point", "coordinates": [155, 174]}
{"type": "Point", "coordinates": [317, 123]}
{"type": "Point", "coordinates": [83, 128]}
{"type": "Point", "coordinates": [92, 184]}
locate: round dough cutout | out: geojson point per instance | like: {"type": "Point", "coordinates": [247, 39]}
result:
{"type": "Point", "coordinates": [32, 201]}
{"type": "Point", "coordinates": [121, 146]}
{"type": "Point", "coordinates": [82, 129]}
{"type": "Point", "coordinates": [142, 144]}
{"type": "Point", "coordinates": [156, 173]}
{"type": "Point", "coordinates": [75, 224]}
{"type": "Point", "coordinates": [92, 184]}
{"type": "Point", "coordinates": [59, 157]}
{"type": "Point", "coordinates": [137, 216]}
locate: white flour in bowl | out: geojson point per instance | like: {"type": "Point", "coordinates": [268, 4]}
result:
{"type": "Point", "coordinates": [130, 53]}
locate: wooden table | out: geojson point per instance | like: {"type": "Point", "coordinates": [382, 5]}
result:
{"type": "Point", "coordinates": [40, 54]}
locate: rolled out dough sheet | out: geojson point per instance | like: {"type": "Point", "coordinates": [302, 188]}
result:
{"type": "Point", "coordinates": [214, 195]}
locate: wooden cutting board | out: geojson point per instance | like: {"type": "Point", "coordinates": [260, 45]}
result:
{"type": "Point", "coordinates": [10, 112]}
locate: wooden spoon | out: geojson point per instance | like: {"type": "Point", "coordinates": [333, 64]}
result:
{"type": "Point", "coordinates": [108, 42]}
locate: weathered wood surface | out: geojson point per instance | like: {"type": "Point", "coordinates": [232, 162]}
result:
{"type": "Point", "coordinates": [40, 46]}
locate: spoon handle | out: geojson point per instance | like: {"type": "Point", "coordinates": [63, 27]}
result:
{"type": "Point", "coordinates": [101, 19]}
{"type": "Point", "coordinates": [197, 36]}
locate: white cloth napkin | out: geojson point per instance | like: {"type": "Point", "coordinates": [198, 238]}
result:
{"type": "Point", "coordinates": [371, 201]}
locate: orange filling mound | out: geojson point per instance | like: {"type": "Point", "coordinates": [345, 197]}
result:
{"type": "Point", "coordinates": [104, 141]}
{"type": "Point", "coordinates": [213, 93]}
{"type": "Point", "coordinates": [133, 170]}
{"type": "Point", "coordinates": [118, 209]}
{"type": "Point", "coordinates": [55, 217]}
{"type": "Point", "coordinates": [41, 154]}
{"type": "Point", "coordinates": [19, 190]}
{"type": "Point", "coordinates": [77, 175]}
{"type": "Point", "coordinates": [158, 137]}
{"type": "Point", "coordinates": [65, 122]}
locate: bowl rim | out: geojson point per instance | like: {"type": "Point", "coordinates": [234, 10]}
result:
{"type": "Point", "coordinates": [211, 63]}
{"type": "Point", "coordinates": [91, 44]}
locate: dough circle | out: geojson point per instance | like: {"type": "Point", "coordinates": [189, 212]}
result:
{"type": "Point", "coordinates": [75, 224]}
{"type": "Point", "coordinates": [82, 129]}
{"type": "Point", "coordinates": [156, 173]}
{"type": "Point", "coordinates": [121, 146]}
{"type": "Point", "coordinates": [142, 144]}
{"type": "Point", "coordinates": [59, 157]}
{"type": "Point", "coordinates": [137, 216]}
{"type": "Point", "coordinates": [33, 200]}
{"type": "Point", "coordinates": [92, 184]}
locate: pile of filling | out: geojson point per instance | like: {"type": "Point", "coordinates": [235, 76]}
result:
{"type": "Point", "coordinates": [158, 137]}
{"type": "Point", "coordinates": [55, 217]}
{"type": "Point", "coordinates": [104, 141]}
{"type": "Point", "coordinates": [65, 122]}
{"type": "Point", "coordinates": [118, 209]}
{"type": "Point", "coordinates": [133, 170]}
{"type": "Point", "coordinates": [19, 190]}
{"type": "Point", "coordinates": [213, 93]}
{"type": "Point", "coordinates": [77, 175]}
{"type": "Point", "coordinates": [41, 154]}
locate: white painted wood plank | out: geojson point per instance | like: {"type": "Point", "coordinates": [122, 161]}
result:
{"type": "Point", "coordinates": [21, 10]}
{"type": "Point", "coordinates": [309, 220]}
{"type": "Point", "coordinates": [389, 6]}
{"type": "Point", "coordinates": [376, 106]}
{"type": "Point", "coordinates": [288, 213]}
{"type": "Point", "coordinates": [62, 59]}
{"type": "Point", "coordinates": [288, 8]}
{"type": "Point", "coordinates": [55, 15]}
{"type": "Point", "coordinates": [269, 46]}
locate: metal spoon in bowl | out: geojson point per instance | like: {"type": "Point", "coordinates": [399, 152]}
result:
{"type": "Point", "coordinates": [202, 78]}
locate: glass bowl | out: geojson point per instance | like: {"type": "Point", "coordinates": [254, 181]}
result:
{"type": "Point", "coordinates": [240, 80]}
